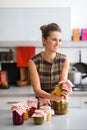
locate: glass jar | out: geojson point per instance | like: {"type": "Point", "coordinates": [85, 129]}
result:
{"type": "Point", "coordinates": [31, 111]}
{"type": "Point", "coordinates": [17, 119]}
{"type": "Point", "coordinates": [38, 120]}
{"type": "Point", "coordinates": [26, 115]}
{"type": "Point", "coordinates": [61, 107]}
{"type": "Point", "coordinates": [32, 105]}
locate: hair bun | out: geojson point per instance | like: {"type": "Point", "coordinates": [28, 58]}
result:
{"type": "Point", "coordinates": [43, 27]}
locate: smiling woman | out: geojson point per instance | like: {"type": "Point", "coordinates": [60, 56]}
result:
{"type": "Point", "coordinates": [49, 67]}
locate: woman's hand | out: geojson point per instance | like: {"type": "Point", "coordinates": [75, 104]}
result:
{"type": "Point", "coordinates": [56, 98]}
{"type": "Point", "coordinates": [65, 94]}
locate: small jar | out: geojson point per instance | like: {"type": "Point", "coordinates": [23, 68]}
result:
{"type": "Point", "coordinates": [47, 111]}
{"type": "Point", "coordinates": [26, 115]}
{"type": "Point", "coordinates": [17, 119]}
{"type": "Point", "coordinates": [31, 111]}
{"type": "Point", "coordinates": [48, 117]}
{"type": "Point", "coordinates": [32, 105]}
{"type": "Point", "coordinates": [61, 107]}
{"type": "Point", "coordinates": [39, 117]}
{"type": "Point", "coordinates": [38, 120]}
{"type": "Point", "coordinates": [18, 110]}
{"type": "Point", "coordinates": [44, 102]}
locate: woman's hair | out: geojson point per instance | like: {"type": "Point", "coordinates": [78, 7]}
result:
{"type": "Point", "coordinates": [46, 29]}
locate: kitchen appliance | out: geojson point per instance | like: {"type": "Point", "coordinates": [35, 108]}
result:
{"type": "Point", "coordinates": [75, 76]}
{"type": "Point", "coordinates": [6, 56]}
{"type": "Point", "coordinates": [81, 67]}
{"type": "Point", "coordinates": [78, 80]}
{"type": "Point", "coordinates": [80, 87]}
{"type": "Point", "coordinates": [12, 71]}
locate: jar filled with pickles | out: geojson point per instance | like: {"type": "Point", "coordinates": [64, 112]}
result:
{"type": "Point", "coordinates": [61, 107]}
{"type": "Point", "coordinates": [39, 117]}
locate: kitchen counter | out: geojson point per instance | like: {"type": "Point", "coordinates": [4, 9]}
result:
{"type": "Point", "coordinates": [75, 119]}
{"type": "Point", "coordinates": [17, 91]}
{"type": "Point", "coordinates": [28, 91]}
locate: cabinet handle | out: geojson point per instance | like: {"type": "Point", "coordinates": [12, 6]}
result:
{"type": "Point", "coordinates": [12, 102]}
{"type": "Point", "coordinates": [85, 102]}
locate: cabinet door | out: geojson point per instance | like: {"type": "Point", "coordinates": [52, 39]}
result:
{"type": "Point", "coordinates": [6, 102]}
{"type": "Point", "coordinates": [74, 102]}
{"type": "Point", "coordinates": [83, 102]}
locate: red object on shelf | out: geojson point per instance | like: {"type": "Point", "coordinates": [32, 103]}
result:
{"type": "Point", "coordinates": [24, 54]}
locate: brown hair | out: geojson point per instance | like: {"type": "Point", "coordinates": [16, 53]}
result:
{"type": "Point", "coordinates": [46, 29]}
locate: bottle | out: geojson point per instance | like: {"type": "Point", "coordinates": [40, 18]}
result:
{"type": "Point", "coordinates": [10, 55]}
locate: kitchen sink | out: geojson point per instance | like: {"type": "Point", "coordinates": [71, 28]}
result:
{"type": "Point", "coordinates": [80, 87]}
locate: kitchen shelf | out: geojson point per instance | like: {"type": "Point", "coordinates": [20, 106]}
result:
{"type": "Point", "coordinates": [12, 61]}
{"type": "Point", "coordinates": [38, 44]}
{"type": "Point", "coordinates": [74, 44]}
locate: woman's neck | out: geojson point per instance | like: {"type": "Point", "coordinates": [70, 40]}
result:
{"type": "Point", "coordinates": [48, 56]}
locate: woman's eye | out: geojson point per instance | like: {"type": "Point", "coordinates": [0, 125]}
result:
{"type": "Point", "coordinates": [60, 40]}
{"type": "Point", "coordinates": [57, 40]}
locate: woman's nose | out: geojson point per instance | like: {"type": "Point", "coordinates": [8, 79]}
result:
{"type": "Point", "coordinates": [57, 42]}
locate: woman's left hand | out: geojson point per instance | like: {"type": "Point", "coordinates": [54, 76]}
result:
{"type": "Point", "coordinates": [65, 94]}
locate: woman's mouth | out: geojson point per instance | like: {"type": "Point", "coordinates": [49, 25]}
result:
{"type": "Point", "coordinates": [56, 47]}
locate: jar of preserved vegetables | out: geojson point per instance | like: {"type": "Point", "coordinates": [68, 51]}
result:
{"type": "Point", "coordinates": [61, 107]}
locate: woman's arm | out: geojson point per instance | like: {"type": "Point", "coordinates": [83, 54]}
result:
{"type": "Point", "coordinates": [64, 76]}
{"type": "Point", "coordinates": [36, 83]}
{"type": "Point", "coordinates": [64, 73]}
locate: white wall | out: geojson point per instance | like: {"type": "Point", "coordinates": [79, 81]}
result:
{"type": "Point", "coordinates": [78, 8]}
{"type": "Point", "coordinates": [23, 24]}
{"type": "Point", "coordinates": [78, 19]}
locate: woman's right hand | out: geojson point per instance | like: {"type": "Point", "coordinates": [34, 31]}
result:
{"type": "Point", "coordinates": [56, 98]}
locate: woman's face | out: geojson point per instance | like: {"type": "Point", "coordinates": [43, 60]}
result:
{"type": "Point", "coordinates": [53, 41]}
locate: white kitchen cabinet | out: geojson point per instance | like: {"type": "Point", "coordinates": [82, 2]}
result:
{"type": "Point", "coordinates": [74, 102]}
{"type": "Point", "coordinates": [15, 94]}
{"type": "Point", "coordinates": [78, 100]}
{"type": "Point", "coordinates": [6, 102]}
{"type": "Point", "coordinates": [83, 102]}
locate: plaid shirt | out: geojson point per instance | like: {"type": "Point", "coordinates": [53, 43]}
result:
{"type": "Point", "coordinates": [49, 72]}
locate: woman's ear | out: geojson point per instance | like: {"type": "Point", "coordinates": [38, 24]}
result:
{"type": "Point", "coordinates": [43, 41]}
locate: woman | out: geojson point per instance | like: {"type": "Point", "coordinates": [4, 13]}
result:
{"type": "Point", "coordinates": [49, 67]}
